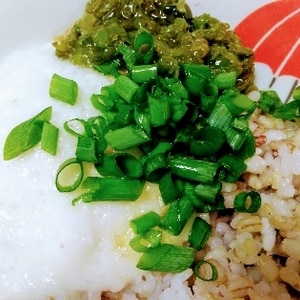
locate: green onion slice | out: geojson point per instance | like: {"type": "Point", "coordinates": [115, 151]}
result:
{"type": "Point", "coordinates": [113, 189]}
{"type": "Point", "coordinates": [144, 46]}
{"type": "Point", "coordinates": [177, 215]}
{"type": "Point", "coordinates": [168, 188]}
{"type": "Point", "coordinates": [155, 166]}
{"type": "Point", "coordinates": [75, 127]}
{"type": "Point", "coordinates": [247, 202]}
{"type": "Point", "coordinates": [49, 139]}
{"type": "Point", "coordinates": [234, 167]}
{"type": "Point", "coordinates": [126, 137]}
{"type": "Point", "coordinates": [63, 89]}
{"type": "Point", "coordinates": [296, 93]}
{"type": "Point", "coordinates": [86, 149]}
{"type": "Point", "coordinates": [208, 192]}
{"type": "Point", "coordinates": [120, 165]}
{"type": "Point", "coordinates": [208, 141]}
{"type": "Point", "coordinates": [193, 169]}
{"type": "Point", "coordinates": [288, 111]}
{"type": "Point", "coordinates": [166, 258]}
{"type": "Point", "coordinates": [159, 109]}
{"type": "Point", "coordinates": [69, 175]}
{"type": "Point", "coordinates": [269, 101]}
{"type": "Point", "coordinates": [225, 80]}
{"type": "Point", "coordinates": [206, 271]}
{"type": "Point", "coordinates": [143, 73]}
{"type": "Point", "coordinates": [126, 88]}
{"type": "Point", "coordinates": [145, 241]}
{"type": "Point", "coordinates": [145, 222]}
{"type": "Point", "coordinates": [25, 135]}
{"type": "Point", "coordinates": [199, 234]}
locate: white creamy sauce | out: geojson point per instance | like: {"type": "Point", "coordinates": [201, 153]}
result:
{"type": "Point", "coordinates": [47, 246]}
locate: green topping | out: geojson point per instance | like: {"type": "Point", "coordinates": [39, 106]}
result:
{"type": "Point", "coordinates": [166, 258]}
{"type": "Point", "coordinates": [146, 240]}
{"type": "Point", "coordinates": [120, 165]}
{"type": "Point", "coordinates": [49, 139]}
{"type": "Point", "coordinates": [69, 175]}
{"type": "Point", "coordinates": [270, 102]}
{"type": "Point", "coordinates": [247, 202]}
{"type": "Point", "coordinates": [127, 137]}
{"type": "Point", "coordinates": [26, 135]}
{"type": "Point", "coordinates": [112, 189]}
{"type": "Point", "coordinates": [199, 234]}
{"type": "Point", "coordinates": [206, 271]}
{"type": "Point", "coordinates": [145, 222]}
{"type": "Point", "coordinates": [63, 89]}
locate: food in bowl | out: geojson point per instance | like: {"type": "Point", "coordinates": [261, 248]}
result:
{"type": "Point", "coordinates": [238, 250]}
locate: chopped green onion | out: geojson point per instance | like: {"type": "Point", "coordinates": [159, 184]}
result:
{"type": "Point", "coordinates": [206, 271]}
{"type": "Point", "coordinates": [154, 166]}
{"type": "Point", "coordinates": [199, 234]}
{"type": "Point", "coordinates": [124, 117]}
{"type": "Point", "coordinates": [113, 189]}
{"type": "Point", "coordinates": [193, 169]}
{"type": "Point", "coordinates": [143, 73]}
{"type": "Point", "coordinates": [296, 93]}
{"type": "Point", "coordinates": [241, 123]}
{"type": "Point", "coordinates": [237, 103]}
{"type": "Point", "coordinates": [288, 111]}
{"type": "Point", "coordinates": [99, 128]}
{"type": "Point", "coordinates": [177, 215]}
{"type": "Point", "coordinates": [235, 137]}
{"type": "Point", "coordinates": [220, 117]}
{"type": "Point", "coordinates": [207, 207]}
{"type": "Point", "coordinates": [175, 87]}
{"type": "Point", "coordinates": [225, 80]}
{"type": "Point", "coordinates": [208, 192]}
{"type": "Point", "coordinates": [145, 222]}
{"type": "Point", "coordinates": [49, 139]}
{"type": "Point", "coordinates": [234, 167]}
{"type": "Point", "coordinates": [145, 241]}
{"type": "Point", "coordinates": [127, 54]}
{"type": "Point", "coordinates": [85, 197]}
{"type": "Point", "coordinates": [142, 119]}
{"type": "Point", "coordinates": [144, 46]}
{"type": "Point", "coordinates": [159, 109]}
{"type": "Point", "coordinates": [248, 148]}
{"type": "Point", "coordinates": [26, 135]}
{"type": "Point", "coordinates": [126, 88]}
{"type": "Point", "coordinates": [208, 141]}
{"type": "Point", "coordinates": [106, 100]}
{"type": "Point", "coordinates": [209, 97]}
{"type": "Point", "coordinates": [110, 68]}
{"type": "Point", "coordinates": [86, 149]}
{"type": "Point", "coordinates": [63, 89]}
{"type": "Point", "coordinates": [168, 188]}
{"type": "Point", "coordinates": [75, 127]}
{"type": "Point", "coordinates": [196, 76]}
{"type": "Point", "coordinates": [161, 148]}
{"type": "Point", "coordinates": [119, 165]}
{"type": "Point", "coordinates": [269, 101]}
{"type": "Point", "coordinates": [126, 137]}
{"type": "Point", "coordinates": [166, 258]}
{"type": "Point", "coordinates": [247, 202]}
{"type": "Point", "coordinates": [69, 175]}
{"type": "Point", "coordinates": [178, 108]}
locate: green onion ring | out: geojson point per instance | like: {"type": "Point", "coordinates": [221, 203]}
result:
{"type": "Point", "coordinates": [202, 264]}
{"type": "Point", "coordinates": [69, 163]}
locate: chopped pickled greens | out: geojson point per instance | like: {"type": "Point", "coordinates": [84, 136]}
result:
{"type": "Point", "coordinates": [98, 39]}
